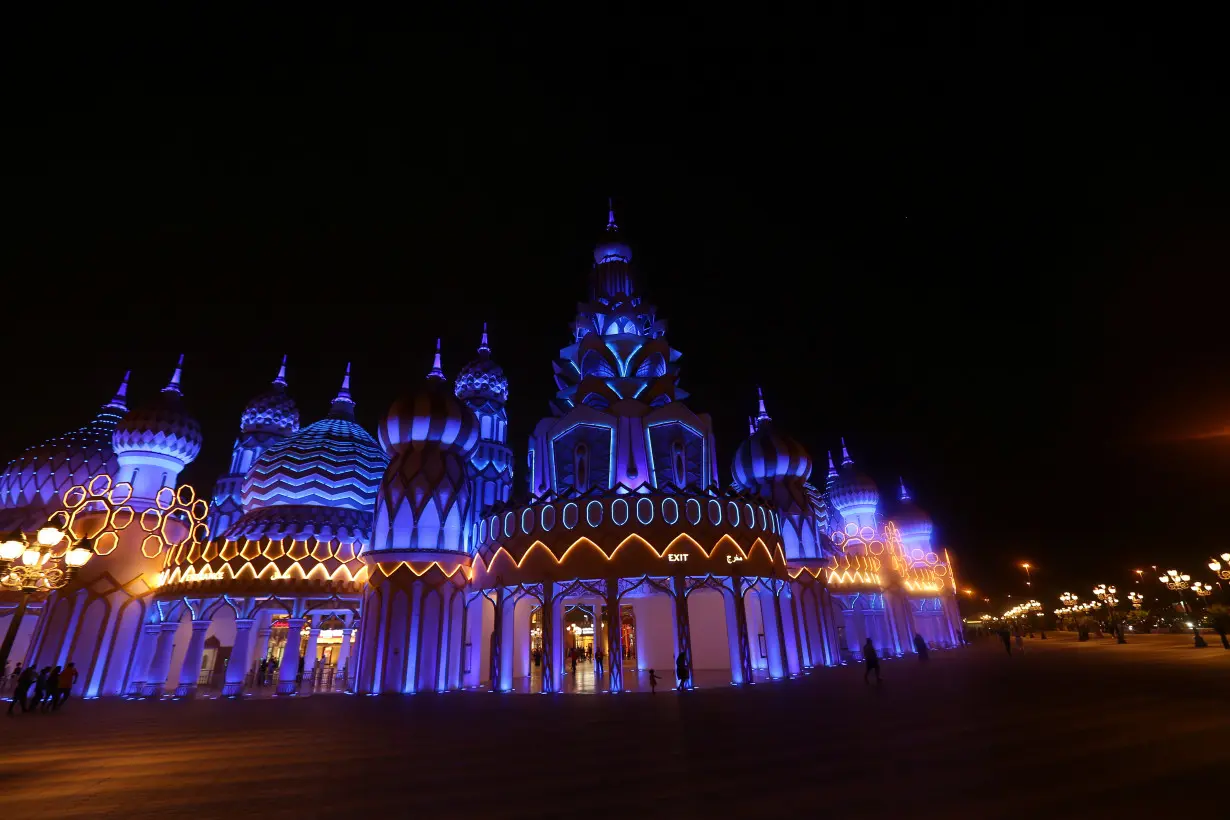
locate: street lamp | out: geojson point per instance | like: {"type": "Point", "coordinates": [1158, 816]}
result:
{"type": "Point", "coordinates": [1137, 600]}
{"type": "Point", "coordinates": [28, 568]}
{"type": "Point", "coordinates": [1201, 590]}
{"type": "Point", "coordinates": [1106, 595]}
{"type": "Point", "coordinates": [1026, 566]}
{"type": "Point", "coordinates": [1177, 581]}
{"type": "Point", "coordinates": [1216, 566]}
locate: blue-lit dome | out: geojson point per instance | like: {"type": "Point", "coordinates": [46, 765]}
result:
{"type": "Point", "coordinates": [332, 463]}
{"type": "Point", "coordinates": [853, 491]}
{"type": "Point", "coordinates": [433, 414]}
{"type": "Point", "coordinates": [162, 426]}
{"type": "Point", "coordinates": [767, 454]}
{"type": "Point", "coordinates": [482, 378]}
{"type": "Point", "coordinates": [273, 411]}
{"type": "Point", "coordinates": [40, 475]}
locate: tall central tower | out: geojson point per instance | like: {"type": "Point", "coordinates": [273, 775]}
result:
{"type": "Point", "coordinates": [618, 418]}
{"type": "Point", "coordinates": [482, 385]}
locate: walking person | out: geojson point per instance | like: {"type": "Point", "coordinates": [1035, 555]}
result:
{"type": "Point", "coordinates": [52, 687]}
{"type": "Point", "coordinates": [681, 671]}
{"type": "Point", "coordinates": [1020, 639]}
{"type": "Point", "coordinates": [920, 646]}
{"type": "Point", "coordinates": [260, 671]}
{"type": "Point", "coordinates": [653, 682]}
{"type": "Point", "coordinates": [23, 687]}
{"type": "Point", "coordinates": [871, 660]}
{"type": "Point", "coordinates": [1006, 637]}
{"type": "Point", "coordinates": [64, 685]}
{"type": "Point", "coordinates": [598, 661]}
{"type": "Point", "coordinates": [40, 688]}
{"type": "Point", "coordinates": [574, 654]}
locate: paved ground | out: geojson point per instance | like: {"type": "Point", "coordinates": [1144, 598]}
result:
{"type": "Point", "coordinates": [1069, 729]}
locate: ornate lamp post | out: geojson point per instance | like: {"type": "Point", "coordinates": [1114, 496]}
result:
{"type": "Point", "coordinates": [1106, 595]}
{"type": "Point", "coordinates": [1177, 581]}
{"type": "Point", "coordinates": [1221, 568]}
{"type": "Point", "coordinates": [28, 568]}
{"type": "Point", "coordinates": [1136, 599]}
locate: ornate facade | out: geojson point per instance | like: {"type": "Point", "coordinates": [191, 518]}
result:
{"type": "Point", "coordinates": [334, 560]}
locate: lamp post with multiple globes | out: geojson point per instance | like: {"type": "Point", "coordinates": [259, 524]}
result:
{"type": "Point", "coordinates": [28, 568]}
{"type": "Point", "coordinates": [1106, 595]}
{"type": "Point", "coordinates": [1178, 581]}
{"type": "Point", "coordinates": [1221, 568]}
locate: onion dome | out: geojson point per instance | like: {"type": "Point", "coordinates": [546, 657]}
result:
{"type": "Point", "coordinates": [911, 520]}
{"type": "Point", "coordinates": [41, 474]}
{"type": "Point", "coordinates": [853, 491]}
{"type": "Point", "coordinates": [768, 454]}
{"type": "Point", "coordinates": [162, 427]}
{"type": "Point", "coordinates": [332, 463]}
{"type": "Point", "coordinates": [482, 378]}
{"type": "Point", "coordinates": [433, 414]}
{"type": "Point", "coordinates": [273, 411]}
{"type": "Point", "coordinates": [611, 248]}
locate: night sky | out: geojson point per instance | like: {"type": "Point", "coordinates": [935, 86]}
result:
{"type": "Point", "coordinates": [990, 251]}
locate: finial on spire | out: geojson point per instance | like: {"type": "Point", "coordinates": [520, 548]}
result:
{"type": "Point", "coordinates": [610, 215]}
{"type": "Point", "coordinates": [281, 379]}
{"type": "Point", "coordinates": [904, 495]}
{"type": "Point", "coordinates": [173, 385]}
{"type": "Point", "coordinates": [751, 426]}
{"type": "Point", "coordinates": [763, 415]}
{"type": "Point", "coordinates": [120, 399]}
{"type": "Point", "coordinates": [846, 461]}
{"type": "Point", "coordinates": [483, 346]}
{"type": "Point", "coordinates": [436, 371]}
{"type": "Point", "coordinates": [832, 469]}
{"type": "Point", "coordinates": [344, 393]}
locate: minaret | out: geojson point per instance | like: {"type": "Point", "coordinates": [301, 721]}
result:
{"type": "Point", "coordinates": [269, 417]}
{"type": "Point", "coordinates": [482, 385]}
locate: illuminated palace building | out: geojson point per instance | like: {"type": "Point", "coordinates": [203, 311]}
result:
{"type": "Point", "coordinates": [331, 560]}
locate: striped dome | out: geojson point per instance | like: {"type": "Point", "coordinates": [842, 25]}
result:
{"type": "Point", "coordinates": [853, 490]}
{"type": "Point", "coordinates": [162, 426]}
{"type": "Point", "coordinates": [332, 463]}
{"type": "Point", "coordinates": [40, 475]}
{"type": "Point", "coordinates": [912, 521]}
{"type": "Point", "coordinates": [273, 411]}
{"type": "Point", "coordinates": [769, 454]}
{"type": "Point", "coordinates": [433, 414]}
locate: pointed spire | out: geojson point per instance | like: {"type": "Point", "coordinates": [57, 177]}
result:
{"type": "Point", "coordinates": [120, 399]}
{"type": "Point", "coordinates": [173, 385]}
{"type": "Point", "coordinates": [846, 461]}
{"type": "Point", "coordinates": [483, 346]}
{"type": "Point", "coordinates": [610, 215]}
{"type": "Point", "coordinates": [436, 371]}
{"type": "Point", "coordinates": [344, 393]}
{"type": "Point", "coordinates": [763, 415]}
{"type": "Point", "coordinates": [832, 469]}
{"type": "Point", "coordinates": [751, 426]}
{"type": "Point", "coordinates": [281, 379]}
{"type": "Point", "coordinates": [904, 495]}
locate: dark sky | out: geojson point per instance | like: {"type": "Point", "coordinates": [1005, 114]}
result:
{"type": "Point", "coordinates": [989, 250]}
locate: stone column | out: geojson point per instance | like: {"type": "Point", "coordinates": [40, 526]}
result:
{"type": "Point", "coordinates": [736, 626]}
{"type": "Point", "coordinates": [289, 670]}
{"type": "Point", "coordinates": [614, 658]}
{"type": "Point", "coordinates": [343, 659]}
{"type": "Point", "coordinates": [497, 641]}
{"type": "Point", "coordinates": [66, 641]}
{"type": "Point", "coordinates": [191, 670]}
{"type": "Point", "coordinates": [683, 629]}
{"type": "Point", "coordinates": [550, 634]}
{"type": "Point", "coordinates": [309, 654]}
{"type": "Point", "coordinates": [160, 666]}
{"type": "Point", "coordinates": [145, 653]}
{"type": "Point", "coordinates": [241, 659]}
{"type": "Point", "coordinates": [780, 627]}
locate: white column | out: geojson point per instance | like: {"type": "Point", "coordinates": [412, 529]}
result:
{"type": "Point", "coordinates": [191, 670]}
{"type": "Point", "coordinates": [289, 670]}
{"type": "Point", "coordinates": [309, 654]}
{"type": "Point", "coordinates": [145, 653]}
{"type": "Point", "coordinates": [241, 659]}
{"type": "Point", "coordinates": [66, 641]}
{"type": "Point", "coordinates": [160, 666]}
{"type": "Point", "coordinates": [343, 658]}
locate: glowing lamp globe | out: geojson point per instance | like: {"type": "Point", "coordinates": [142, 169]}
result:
{"type": "Point", "coordinates": [1215, 565]}
{"type": "Point", "coordinates": [1225, 556]}
{"type": "Point", "coordinates": [49, 536]}
{"type": "Point", "coordinates": [30, 556]}
{"type": "Point", "coordinates": [77, 556]}
{"type": "Point", "coordinates": [9, 550]}
{"type": "Point", "coordinates": [1186, 577]}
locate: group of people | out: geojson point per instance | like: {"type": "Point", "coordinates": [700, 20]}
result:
{"type": "Point", "coordinates": [52, 686]}
{"type": "Point", "coordinates": [871, 658]}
